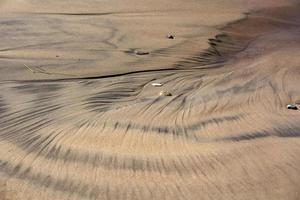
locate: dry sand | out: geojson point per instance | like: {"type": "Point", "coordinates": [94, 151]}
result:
{"type": "Point", "coordinates": [79, 118]}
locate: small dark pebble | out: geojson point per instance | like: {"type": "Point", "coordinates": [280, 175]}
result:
{"type": "Point", "coordinates": [57, 56]}
{"type": "Point", "coordinates": [165, 93]}
{"type": "Point", "coordinates": [170, 36]}
{"type": "Point", "coordinates": [292, 107]}
{"type": "Point", "coordinates": [141, 52]}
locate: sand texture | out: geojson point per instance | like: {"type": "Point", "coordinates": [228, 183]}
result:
{"type": "Point", "coordinates": [201, 116]}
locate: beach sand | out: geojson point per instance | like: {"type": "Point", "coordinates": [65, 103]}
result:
{"type": "Point", "coordinates": [81, 119]}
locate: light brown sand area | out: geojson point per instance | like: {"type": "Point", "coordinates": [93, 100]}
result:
{"type": "Point", "coordinates": [96, 127]}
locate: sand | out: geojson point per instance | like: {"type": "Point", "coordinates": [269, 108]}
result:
{"type": "Point", "coordinates": [81, 119]}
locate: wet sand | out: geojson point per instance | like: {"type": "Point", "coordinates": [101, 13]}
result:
{"type": "Point", "coordinates": [79, 118]}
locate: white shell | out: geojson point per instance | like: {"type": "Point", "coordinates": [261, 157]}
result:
{"type": "Point", "coordinates": [292, 106]}
{"type": "Point", "coordinates": [156, 84]}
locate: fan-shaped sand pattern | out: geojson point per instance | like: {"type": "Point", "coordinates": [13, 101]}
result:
{"type": "Point", "coordinates": [225, 132]}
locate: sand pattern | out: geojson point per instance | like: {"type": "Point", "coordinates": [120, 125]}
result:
{"type": "Point", "coordinates": [225, 132]}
